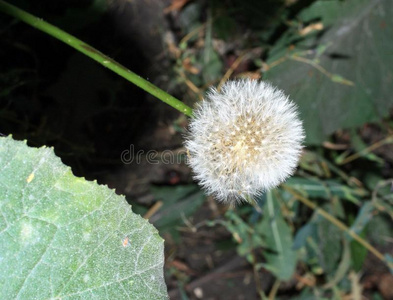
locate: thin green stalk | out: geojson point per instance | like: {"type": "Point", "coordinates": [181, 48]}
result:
{"type": "Point", "coordinates": [340, 225]}
{"type": "Point", "coordinates": [94, 54]}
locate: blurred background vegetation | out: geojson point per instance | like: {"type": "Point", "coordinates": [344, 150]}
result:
{"type": "Point", "coordinates": [334, 57]}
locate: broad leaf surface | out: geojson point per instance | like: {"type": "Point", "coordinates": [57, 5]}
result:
{"type": "Point", "coordinates": [317, 70]}
{"type": "Point", "coordinates": [62, 237]}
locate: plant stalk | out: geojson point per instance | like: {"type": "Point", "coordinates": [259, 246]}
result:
{"type": "Point", "coordinates": [94, 54]}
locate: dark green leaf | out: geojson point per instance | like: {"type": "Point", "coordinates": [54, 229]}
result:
{"type": "Point", "coordinates": [380, 230]}
{"type": "Point", "coordinates": [342, 268]}
{"type": "Point", "coordinates": [357, 47]}
{"type": "Point", "coordinates": [189, 16]}
{"type": "Point", "coordinates": [212, 65]}
{"type": "Point", "coordinates": [358, 254]}
{"type": "Point", "coordinates": [247, 238]}
{"type": "Point", "coordinates": [364, 216]}
{"type": "Point", "coordinates": [329, 244]}
{"type": "Point", "coordinates": [305, 232]}
{"type": "Point", "coordinates": [281, 259]}
{"type": "Point", "coordinates": [179, 202]}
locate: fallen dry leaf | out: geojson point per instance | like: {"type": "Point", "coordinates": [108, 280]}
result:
{"type": "Point", "coordinates": [175, 6]}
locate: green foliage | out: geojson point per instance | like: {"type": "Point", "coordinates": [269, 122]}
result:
{"type": "Point", "coordinates": [64, 237]}
{"type": "Point", "coordinates": [329, 245]}
{"type": "Point", "coordinates": [189, 17]}
{"type": "Point", "coordinates": [212, 65]}
{"type": "Point", "coordinates": [326, 249]}
{"type": "Point", "coordinates": [325, 189]}
{"type": "Point", "coordinates": [339, 76]}
{"type": "Point", "coordinates": [271, 236]}
{"type": "Point", "coordinates": [179, 202]}
{"type": "Point", "coordinates": [244, 234]}
{"type": "Point", "coordinates": [383, 226]}
{"type": "Point", "coordinates": [280, 256]}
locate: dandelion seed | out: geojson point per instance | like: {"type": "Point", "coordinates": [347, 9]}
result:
{"type": "Point", "coordinates": [263, 140]}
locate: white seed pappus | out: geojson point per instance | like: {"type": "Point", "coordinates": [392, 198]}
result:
{"type": "Point", "coordinates": [243, 140]}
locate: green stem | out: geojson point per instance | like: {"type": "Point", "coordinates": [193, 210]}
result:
{"type": "Point", "coordinates": [94, 54]}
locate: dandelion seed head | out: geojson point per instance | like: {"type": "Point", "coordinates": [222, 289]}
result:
{"type": "Point", "coordinates": [257, 144]}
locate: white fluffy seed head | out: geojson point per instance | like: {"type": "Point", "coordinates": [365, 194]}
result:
{"type": "Point", "coordinates": [244, 140]}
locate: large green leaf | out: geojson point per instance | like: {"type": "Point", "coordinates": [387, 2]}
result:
{"type": "Point", "coordinates": [356, 47]}
{"type": "Point", "coordinates": [62, 237]}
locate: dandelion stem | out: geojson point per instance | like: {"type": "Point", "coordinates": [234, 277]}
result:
{"type": "Point", "coordinates": [94, 54]}
{"type": "Point", "coordinates": [339, 224]}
